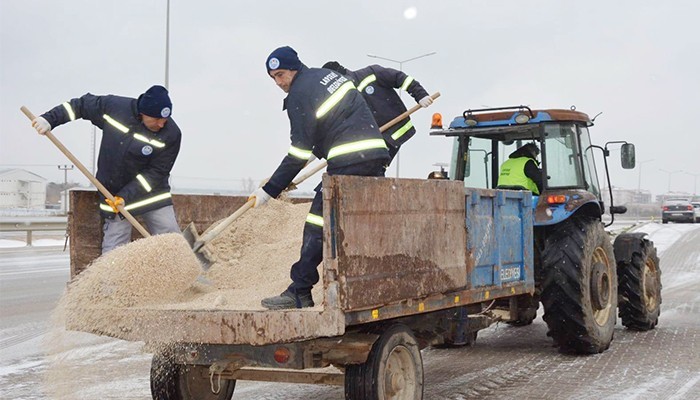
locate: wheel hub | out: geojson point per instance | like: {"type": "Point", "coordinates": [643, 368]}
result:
{"type": "Point", "coordinates": [600, 286]}
{"type": "Point", "coordinates": [650, 286]}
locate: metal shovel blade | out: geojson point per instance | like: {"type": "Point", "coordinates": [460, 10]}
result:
{"type": "Point", "coordinates": [203, 255]}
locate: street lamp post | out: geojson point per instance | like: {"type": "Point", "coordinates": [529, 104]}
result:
{"type": "Point", "coordinates": [695, 182]}
{"type": "Point", "coordinates": [401, 63]}
{"type": "Point", "coordinates": [669, 177]}
{"type": "Point", "coordinates": [639, 186]}
{"type": "Point", "coordinates": [167, 43]}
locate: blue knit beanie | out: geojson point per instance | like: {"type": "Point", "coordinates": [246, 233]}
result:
{"type": "Point", "coordinates": [283, 58]}
{"type": "Point", "coordinates": [155, 102]}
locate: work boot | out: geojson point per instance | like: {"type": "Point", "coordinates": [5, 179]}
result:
{"type": "Point", "coordinates": [288, 300]}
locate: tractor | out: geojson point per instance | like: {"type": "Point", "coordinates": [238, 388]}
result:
{"type": "Point", "coordinates": [582, 279]}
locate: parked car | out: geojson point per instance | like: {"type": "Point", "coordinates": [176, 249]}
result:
{"type": "Point", "coordinates": [677, 210]}
{"type": "Point", "coordinates": [696, 207]}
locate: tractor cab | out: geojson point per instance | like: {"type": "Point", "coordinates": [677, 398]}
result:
{"type": "Point", "coordinates": [484, 139]}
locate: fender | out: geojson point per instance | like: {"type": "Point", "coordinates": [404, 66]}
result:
{"type": "Point", "coordinates": [627, 244]}
{"type": "Point", "coordinates": [577, 202]}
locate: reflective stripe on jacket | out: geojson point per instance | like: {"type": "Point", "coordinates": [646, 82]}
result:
{"type": "Point", "coordinates": [377, 85]}
{"type": "Point", "coordinates": [328, 119]}
{"type": "Point", "coordinates": [513, 174]}
{"type": "Point", "coordinates": [134, 163]}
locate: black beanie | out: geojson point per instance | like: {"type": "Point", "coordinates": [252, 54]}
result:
{"type": "Point", "coordinates": [155, 102]}
{"type": "Point", "coordinates": [283, 58]}
{"type": "Point", "coordinates": [335, 66]}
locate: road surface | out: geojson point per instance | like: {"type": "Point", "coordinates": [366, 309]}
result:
{"type": "Point", "coordinates": [506, 362]}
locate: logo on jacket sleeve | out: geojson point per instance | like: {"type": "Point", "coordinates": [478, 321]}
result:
{"type": "Point", "coordinates": [274, 63]}
{"type": "Point", "coordinates": [146, 150]}
{"type": "Point", "coordinates": [369, 89]}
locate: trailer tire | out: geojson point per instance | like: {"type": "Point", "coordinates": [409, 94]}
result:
{"type": "Point", "coordinates": [393, 370]}
{"type": "Point", "coordinates": [639, 289]}
{"type": "Point", "coordinates": [579, 291]}
{"type": "Point", "coordinates": [172, 381]}
{"type": "Point", "coordinates": [527, 311]}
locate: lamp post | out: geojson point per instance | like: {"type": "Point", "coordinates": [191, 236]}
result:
{"type": "Point", "coordinates": [401, 63]}
{"type": "Point", "coordinates": [695, 181]}
{"type": "Point", "coordinates": [639, 186]}
{"type": "Point", "coordinates": [669, 177]}
{"type": "Point", "coordinates": [167, 43]}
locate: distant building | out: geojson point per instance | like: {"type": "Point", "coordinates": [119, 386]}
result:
{"type": "Point", "coordinates": [20, 188]}
{"type": "Point", "coordinates": [674, 195]}
{"type": "Point", "coordinates": [627, 196]}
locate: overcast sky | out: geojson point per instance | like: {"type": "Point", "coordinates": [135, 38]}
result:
{"type": "Point", "coordinates": [637, 62]}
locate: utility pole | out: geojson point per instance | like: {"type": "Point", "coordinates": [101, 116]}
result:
{"type": "Point", "coordinates": [400, 69]}
{"type": "Point", "coordinates": [65, 169]}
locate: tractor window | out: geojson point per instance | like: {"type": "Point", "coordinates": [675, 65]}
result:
{"type": "Point", "coordinates": [477, 162]}
{"type": "Point", "coordinates": [591, 174]}
{"type": "Point", "coordinates": [562, 162]}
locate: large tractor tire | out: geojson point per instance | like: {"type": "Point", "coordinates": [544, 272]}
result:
{"type": "Point", "coordinates": [639, 289]}
{"type": "Point", "coordinates": [579, 291]}
{"type": "Point", "coordinates": [171, 381]}
{"type": "Point", "coordinates": [393, 370]}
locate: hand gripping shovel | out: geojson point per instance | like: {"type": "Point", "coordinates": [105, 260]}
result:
{"type": "Point", "coordinates": [198, 243]}
{"type": "Point", "coordinates": [88, 175]}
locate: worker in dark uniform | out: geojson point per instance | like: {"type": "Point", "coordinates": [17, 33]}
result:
{"type": "Point", "coordinates": [328, 120]}
{"type": "Point", "coordinates": [520, 171]}
{"type": "Point", "coordinates": [140, 143]}
{"type": "Point", "coordinates": [377, 84]}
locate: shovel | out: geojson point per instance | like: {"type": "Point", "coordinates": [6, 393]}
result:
{"type": "Point", "coordinates": [88, 175]}
{"type": "Point", "coordinates": [190, 232]}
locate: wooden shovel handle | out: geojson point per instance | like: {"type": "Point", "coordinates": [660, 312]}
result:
{"type": "Point", "coordinates": [88, 175]}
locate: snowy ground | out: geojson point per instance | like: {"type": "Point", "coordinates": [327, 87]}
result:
{"type": "Point", "coordinates": [505, 363]}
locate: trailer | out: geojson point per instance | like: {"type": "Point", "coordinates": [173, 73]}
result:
{"type": "Point", "coordinates": [407, 263]}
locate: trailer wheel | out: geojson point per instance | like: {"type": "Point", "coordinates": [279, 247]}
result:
{"type": "Point", "coordinates": [579, 292]}
{"type": "Point", "coordinates": [393, 370]}
{"type": "Point", "coordinates": [527, 311]}
{"type": "Point", "coordinates": [639, 290]}
{"type": "Point", "coordinates": [171, 381]}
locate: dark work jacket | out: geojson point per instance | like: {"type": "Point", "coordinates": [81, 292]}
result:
{"type": "Point", "coordinates": [328, 119]}
{"type": "Point", "coordinates": [377, 85]}
{"type": "Point", "coordinates": [134, 163]}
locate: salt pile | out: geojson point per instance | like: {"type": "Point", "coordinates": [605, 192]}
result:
{"type": "Point", "coordinates": [253, 260]}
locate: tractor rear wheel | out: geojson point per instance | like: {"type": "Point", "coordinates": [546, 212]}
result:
{"type": "Point", "coordinates": [579, 291]}
{"type": "Point", "coordinates": [639, 290]}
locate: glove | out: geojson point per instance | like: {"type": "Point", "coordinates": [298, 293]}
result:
{"type": "Point", "coordinates": [261, 197]}
{"type": "Point", "coordinates": [41, 125]}
{"type": "Point", "coordinates": [118, 201]}
{"type": "Point", "coordinates": [425, 101]}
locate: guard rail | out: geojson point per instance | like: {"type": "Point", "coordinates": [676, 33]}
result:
{"type": "Point", "coordinates": [33, 224]}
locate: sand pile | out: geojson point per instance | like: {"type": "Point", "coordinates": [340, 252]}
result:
{"type": "Point", "coordinates": [253, 260]}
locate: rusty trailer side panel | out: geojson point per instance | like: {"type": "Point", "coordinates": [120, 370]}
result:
{"type": "Point", "coordinates": [394, 239]}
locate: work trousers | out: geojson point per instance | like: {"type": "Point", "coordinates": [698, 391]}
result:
{"type": "Point", "coordinates": [117, 231]}
{"type": "Point", "coordinates": [304, 272]}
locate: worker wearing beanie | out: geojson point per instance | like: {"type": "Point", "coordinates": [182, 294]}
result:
{"type": "Point", "coordinates": [329, 119]}
{"type": "Point", "coordinates": [140, 142]}
{"type": "Point", "coordinates": [377, 84]}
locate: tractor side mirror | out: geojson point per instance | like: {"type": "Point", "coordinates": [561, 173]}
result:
{"type": "Point", "coordinates": [627, 155]}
